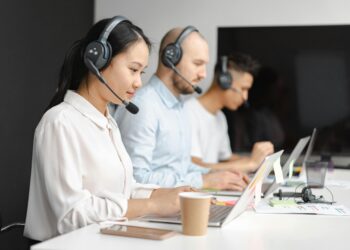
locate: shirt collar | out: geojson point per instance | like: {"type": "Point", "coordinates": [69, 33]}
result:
{"type": "Point", "coordinates": [164, 93]}
{"type": "Point", "coordinates": [87, 109]}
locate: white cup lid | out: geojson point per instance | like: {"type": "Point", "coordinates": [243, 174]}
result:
{"type": "Point", "coordinates": [195, 195]}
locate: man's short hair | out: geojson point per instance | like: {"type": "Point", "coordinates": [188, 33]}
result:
{"type": "Point", "coordinates": [240, 62]}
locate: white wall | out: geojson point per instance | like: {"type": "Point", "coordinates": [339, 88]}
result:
{"type": "Point", "coordinates": [156, 17]}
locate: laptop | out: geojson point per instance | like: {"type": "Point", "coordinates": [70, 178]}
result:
{"type": "Point", "coordinates": [285, 169]}
{"type": "Point", "coordinates": [269, 187]}
{"type": "Point", "coordinates": [221, 215]}
{"type": "Point", "coordinates": [310, 147]}
{"type": "Point", "coordinates": [317, 170]}
{"type": "Point", "coordinates": [293, 157]}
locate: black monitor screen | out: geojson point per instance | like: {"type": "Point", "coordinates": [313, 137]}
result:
{"type": "Point", "coordinates": [303, 83]}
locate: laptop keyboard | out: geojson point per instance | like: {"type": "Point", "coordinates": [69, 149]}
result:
{"type": "Point", "coordinates": [218, 213]}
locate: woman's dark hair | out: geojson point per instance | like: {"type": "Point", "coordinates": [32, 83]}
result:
{"type": "Point", "coordinates": [73, 70]}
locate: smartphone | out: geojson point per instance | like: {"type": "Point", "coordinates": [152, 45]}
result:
{"type": "Point", "coordinates": [138, 232]}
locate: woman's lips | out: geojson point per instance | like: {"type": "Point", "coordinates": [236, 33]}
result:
{"type": "Point", "coordinates": [130, 93]}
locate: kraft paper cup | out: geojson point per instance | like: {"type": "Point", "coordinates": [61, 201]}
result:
{"type": "Point", "coordinates": [194, 212]}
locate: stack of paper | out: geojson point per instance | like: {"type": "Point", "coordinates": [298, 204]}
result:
{"type": "Point", "coordinates": [308, 208]}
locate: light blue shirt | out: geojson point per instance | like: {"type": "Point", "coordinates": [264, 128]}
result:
{"type": "Point", "coordinates": [158, 138]}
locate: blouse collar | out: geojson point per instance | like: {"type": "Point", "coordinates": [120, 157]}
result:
{"type": "Point", "coordinates": [87, 109]}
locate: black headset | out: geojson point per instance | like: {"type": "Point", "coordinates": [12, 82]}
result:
{"type": "Point", "coordinates": [224, 76]}
{"type": "Point", "coordinates": [99, 52]}
{"type": "Point", "coordinates": [306, 195]}
{"type": "Point", "coordinates": [172, 53]}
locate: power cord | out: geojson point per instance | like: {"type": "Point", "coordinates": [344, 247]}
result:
{"type": "Point", "coordinates": [10, 226]}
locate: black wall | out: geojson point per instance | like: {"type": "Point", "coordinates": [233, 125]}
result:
{"type": "Point", "coordinates": [304, 83]}
{"type": "Point", "coordinates": [34, 38]}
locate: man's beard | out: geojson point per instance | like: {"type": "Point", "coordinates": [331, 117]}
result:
{"type": "Point", "coordinates": [182, 87]}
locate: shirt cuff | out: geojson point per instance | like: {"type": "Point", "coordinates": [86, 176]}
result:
{"type": "Point", "coordinates": [203, 170]}
{"type": "Point", "coordinates": [143, 191]}
{"type": "Point", "coordinates": [194, 179]}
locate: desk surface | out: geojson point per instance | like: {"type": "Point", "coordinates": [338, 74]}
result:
{"type": "Point", "coordinates": [249, 231]}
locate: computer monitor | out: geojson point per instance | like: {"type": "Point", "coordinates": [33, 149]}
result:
{"type": "Point", "coordinates": [304, 83]}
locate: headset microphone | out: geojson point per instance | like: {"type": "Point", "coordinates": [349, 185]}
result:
{"type": "Point", "coordinates": [132, 108]}
{"type": "Point", "coordinates": [197, 89]}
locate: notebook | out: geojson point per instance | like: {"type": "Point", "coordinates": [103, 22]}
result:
{"type": "Point", "coordinates": [221, 215]}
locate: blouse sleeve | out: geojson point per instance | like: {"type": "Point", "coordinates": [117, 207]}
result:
{"type": "Point", "coordinates": [57, 159]}
{"type": "Point", "coordinates": [142, 191]}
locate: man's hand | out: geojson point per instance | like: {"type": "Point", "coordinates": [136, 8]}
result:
{"type": "Point", "coordinates": [231, 180]}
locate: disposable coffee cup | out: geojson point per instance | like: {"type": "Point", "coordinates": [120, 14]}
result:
{"type": "Point", "coordinates": [194, 212]}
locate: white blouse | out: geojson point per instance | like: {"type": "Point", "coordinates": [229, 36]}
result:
{"type": "Point", "coordinates": [81, 172]}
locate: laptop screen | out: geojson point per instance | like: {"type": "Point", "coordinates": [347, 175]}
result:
{"type": "Point", "coordinates": [247, 196]}
{"type": "Point", "coordinates": [310, 147]}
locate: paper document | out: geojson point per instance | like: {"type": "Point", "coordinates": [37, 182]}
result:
{"type": "Point", "coordinates": [338, 183]}
{"type": "Point", "coordinates": [291, 168]}
{"type": "Point", "coordinates": [265, 208]}
{"type": "Point", "coordinates": [257, 191]}
{"type": "Point", "coordinates": [278, 171]}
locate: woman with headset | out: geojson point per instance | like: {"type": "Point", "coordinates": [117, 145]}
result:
{"type": "Point", "coordinates": [81, 172]}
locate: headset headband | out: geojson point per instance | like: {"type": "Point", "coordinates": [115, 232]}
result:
{"type": "Point", "coordinates": [185, 33]}
{"type": "Point", "coordinates": [172, 53]}
{"type": "Point", "coordinates": [109, 27]}
{"type": "Point", "coordinates": [224, 64]}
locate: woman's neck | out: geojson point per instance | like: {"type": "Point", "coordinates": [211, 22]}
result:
{"type": "Point", "coordinates": [94, 98]}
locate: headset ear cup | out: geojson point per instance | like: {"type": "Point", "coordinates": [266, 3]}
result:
{"type": "Point", "coordinates": [225, 80]}
{"type": "Point", "coordinates": [171, 55]}
{"type": "Point", "coordinates": [306, 195]}
{"type": "Point", "coordinates": [95, 52]}
{"type": "Point", "coordinates": [108, 56]}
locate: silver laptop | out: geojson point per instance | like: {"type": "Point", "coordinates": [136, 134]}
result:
{"type": "Point", "coordinates": [221, 215]}
{"type": "Point", "coordinates": [269, 187]}
{"type": "Point", "coordinates": [310, 147]}
{"type": "Point", "coordinates": [285, 169]}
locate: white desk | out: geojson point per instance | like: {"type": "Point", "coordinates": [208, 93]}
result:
{"type": "Point", "coordinates": [249, 231]}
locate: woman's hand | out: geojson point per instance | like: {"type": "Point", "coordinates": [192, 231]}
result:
{"type": "Point", "coordinates": [165, 201]}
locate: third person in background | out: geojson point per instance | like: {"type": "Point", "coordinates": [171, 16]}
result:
{"type": "Point", "coordinates": [210, 148]}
